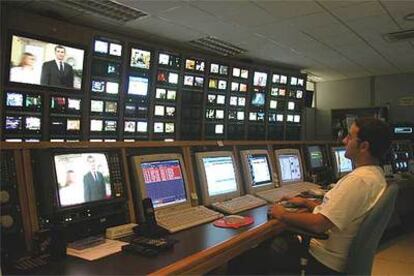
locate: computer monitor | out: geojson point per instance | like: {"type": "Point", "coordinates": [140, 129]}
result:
{"type": "Point", "coordinates": [257, 170]}
{"type": "Point", "coordinates": [218, 176]}
{"type": "Point", "coordinates": [162, 178]}
{"type": "Point", "coordinates": [78, 187]}
{"type": "Point", "coordinates": [342, 165]}
{"type": "Point", "coordinates": [289, 166]}
{"type": "Point", "coordinates": [315, 157]}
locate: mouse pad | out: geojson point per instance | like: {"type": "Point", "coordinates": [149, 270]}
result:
{"type": "Point", "coordinates": [233, 222]}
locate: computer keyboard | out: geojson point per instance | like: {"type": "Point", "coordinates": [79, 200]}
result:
{"type": "Point", "coordinates": [239, 204]}
{"type": "Point", "coordinates": [290, 190]}
{"type": "Point", "coordinates": [186, 218]}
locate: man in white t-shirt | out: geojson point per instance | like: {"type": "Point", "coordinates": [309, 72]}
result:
{"type": "Point", "coordinates": [345, 206]}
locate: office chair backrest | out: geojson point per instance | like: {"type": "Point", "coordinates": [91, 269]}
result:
{"type": "Point", "coordinates": [364, 245]}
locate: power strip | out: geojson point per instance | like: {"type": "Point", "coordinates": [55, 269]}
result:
{"type": "Point", "coordinates": [119, 231]}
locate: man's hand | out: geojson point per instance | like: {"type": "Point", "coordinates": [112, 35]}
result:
{"type": "Point", "coordinates": [298, 201]}
{"type": "Point", "coordinates": [277, 211]}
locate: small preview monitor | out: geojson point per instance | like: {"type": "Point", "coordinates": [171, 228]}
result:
{"type": "Point", "coordinates": [140, 58]}
{"type": "Point", "coordinates": [58, 104]}
{"type": "Point", "coordinates": [112, 87]}
{"type": "Point", "coordinates": [96, 125]}
{"type": "Point", "coordinates": [74, 104]}
{"type": "Point", "coordinates": [14, 99]}
{"type": "Point", "coordinates": [98, 86]}
{"type": "Point", "coordinates": [342, 164]}
{"type": "Point", "coordinates": [14, 123]}
{"type": "Point", "coordinates": [82, 178]}
{"type": "Point", "coordinates": [162, 178]}
{"type": "Point", "coordinates": [163, 59]}
{"type": "Point", "coordinates": [289, 165]}
{"type": "Point", "coordinates": [142, 127]}
{"type": "Point", "coordinates": [259, 79]}
{"type": "Point", "coordinates": [218, 175]}
{"type": "Point", "coordinates": [130, 126]}
{"type": "Point", "coordinates": [315, 157]}
{"type": "Point", "coordinates": [33, 102]}
{"type": "Point", "coordinates": [97, 106]}
{"type": "Point", "coordinates": [32, 123]}
{"type": "Point", "coordinates": [257, 170]}
{"type": "Point", "coordinates": [138, 86]}
{"type": "Point", "coordinates": [258, 99]}
{"type": "Point", "coordinates": [101, 47]}
{"type": "Point", "coordinates": [115, 49]}
{"type": "Point", "coordinates": [73, 125]}
{"type": "Point", "coordinates": [110, 125]}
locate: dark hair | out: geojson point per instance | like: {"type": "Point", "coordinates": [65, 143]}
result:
{"type": "Point", "coordinates": [376, 133]}
{"type": "Point", "coordinates": [60, 47]}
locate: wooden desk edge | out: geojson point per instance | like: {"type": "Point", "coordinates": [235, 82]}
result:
{"type": "Point", "coordinates": [215, 256]}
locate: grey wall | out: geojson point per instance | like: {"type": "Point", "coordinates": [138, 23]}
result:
{"type": "Point", "coordinates": [363, 92]}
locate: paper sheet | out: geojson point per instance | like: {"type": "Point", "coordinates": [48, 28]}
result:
{"type": "Point", "coordinates": [93, 253]}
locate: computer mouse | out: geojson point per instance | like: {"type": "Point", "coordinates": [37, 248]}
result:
{"type": "Point", "coordinates": [233, 219]}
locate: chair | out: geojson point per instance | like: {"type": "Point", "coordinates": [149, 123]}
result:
{"type": "Point", "coordinates": [364, 245]}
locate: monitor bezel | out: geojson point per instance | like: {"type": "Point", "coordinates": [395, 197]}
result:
{"type": "Point", "coordinates": [339, 174]}
{"type": "Point", "coordinates": [206, 198]}
{"type": "Point", "coordinates": [142, 191]}
{"type": "Point", "coordinates": [249, 178]}
{"type": "Point", "coordinates": [296, 152]}
{"type": "Point", "coordinates": [45, 39]}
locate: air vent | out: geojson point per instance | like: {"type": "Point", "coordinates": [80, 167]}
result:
{"type": "Point", "coordinates": [106, 8]}
{"type": "Point", "coordinates": [217, 46]}
{"type": "Point", "coordinates": [399, 36]}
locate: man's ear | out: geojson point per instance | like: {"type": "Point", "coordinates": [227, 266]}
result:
{"type": "Point", "coordinates": [364, 146]}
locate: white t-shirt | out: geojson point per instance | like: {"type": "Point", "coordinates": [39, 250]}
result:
{"type": "Point", "coordinates": [346, 205]}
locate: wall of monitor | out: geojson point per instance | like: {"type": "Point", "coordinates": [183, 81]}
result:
{"type": "Point", "coordinates": [117, 88]}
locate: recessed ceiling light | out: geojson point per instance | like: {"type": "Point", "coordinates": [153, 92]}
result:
{"type": "Point", "coordinates": [409, 17]}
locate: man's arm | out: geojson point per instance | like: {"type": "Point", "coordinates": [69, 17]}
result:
{"type": "Point", "coordinates": [44, 78]}
{"type": "Point", "coordinates": [317, 223]}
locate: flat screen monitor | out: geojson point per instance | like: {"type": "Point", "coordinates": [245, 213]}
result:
{"type": "Point", "coordinates": [138, 86]}
{"type": "Point", "coordinates": [289, 165]}
{"type": "Point", "coordinates": [162, 178]}
{"type": "Point", "coordinates": [82, 178]}
{"type": "Point", "coordinates": [260, 79]}
{"type": "Point", "coordinates": [42, 62]}
{"type": "Point", "coordinates": [342, 164]}
{"type": "Point", "coordinates": [14, 100]}
{"type": "Point", "coordinates": [315, 157]}
{"type": "Point", "coordinates": [140, 58]}
{"type": "Point", "coordinates": [258, 99]}
{"type": "Point", "coordinates": [257, 170]}
{"type": "Point", "coordinates": [218, 175]}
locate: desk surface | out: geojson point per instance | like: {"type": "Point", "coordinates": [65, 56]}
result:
{"type": "Point", "coordinates": [199, 250]}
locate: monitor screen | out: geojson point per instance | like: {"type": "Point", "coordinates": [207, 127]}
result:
{"type": "Point", "coordinates": [33, 102]}
{"type": "Point", "coordinates": [138, 86]}
{"type": "Point", "coordinates": [290, 167]}
{"type": "Point", "coordinates": [82, 178]}
{"type": "Point", "coordinates": [44, 63]}
{"type": "Point", "coordinates": [14, 123]}
{"type": "Point", "coordinates": [140, 58]}
{"type": "Point", "coordinates": [101, 46]}
{"type": "Point", "coordinates": [259, 79]}
{"type": "Point", "coordinates": [259, 169]}
{"type": "Point", "coordinates": [14, 99]}
{"type": "Point", "coordinates": [343, 164]}
{"type": "Point", "coordinates": [164, 182]}
{"type": "Point", "coordinates": [315, 157]}
{"type": "Point", "coordinates": [220, 175]}
{"type": "Point", "coordinates": [258, 99]}
{"type": "Point", "coordinates": [32, 123]}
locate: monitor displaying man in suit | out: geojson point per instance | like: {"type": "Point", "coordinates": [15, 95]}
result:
{"type": "Point", "coordinates": [57, 72]}
{"type": "Point", "coordinates": [93, 182]}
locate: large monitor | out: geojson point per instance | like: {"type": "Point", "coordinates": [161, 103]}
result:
{"type": "Point", "coordinates": [42, 62]}
{"type": "Point", "coordinates": [79, 186]}
{"type": "Point", "coordinates": [289, 166]}
{"type": "Point", "coordinates": [342, 165]}
{"type": "Point", "coordinates": [218, 176]}
{"type": "Point", "coordinates": [257, 170]}
{"type": "Point", "coordinates": [162, 178]}
{"type": "Point", "coordinates": [315, 157]}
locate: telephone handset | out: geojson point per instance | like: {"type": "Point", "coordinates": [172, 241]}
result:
{"type": "Point", "coordinates": [149, 228]}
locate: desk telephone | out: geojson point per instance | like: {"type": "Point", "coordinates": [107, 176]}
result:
{"type": "Point", "coordinates": [149, 228]}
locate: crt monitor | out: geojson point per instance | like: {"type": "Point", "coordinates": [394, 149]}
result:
{"type": "Point", "coordinates": [257, 170]}
{"type": "Point", "coordinates": [80, 188]}
{"type": "Point", "coordinates": [289, 165]}
{"type": "Point", "coordinates": [315, 157]}
{"type": "Point", "coordinates": [162, 178]}
{"type": "Point", "coordinates": [218, 176]}
{"type": "Point", "coordinates": [342, 165]}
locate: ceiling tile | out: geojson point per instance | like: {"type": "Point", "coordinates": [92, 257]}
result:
{"type": "Point", "coordinates": [354, 12]}
{"type": "Point", "coordinates": [282, 10]}
{"type": "Point", "coordinates": [152, 7]}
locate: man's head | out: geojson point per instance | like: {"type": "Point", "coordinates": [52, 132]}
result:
{"type": "Point", "coordinates": [368, 140]}
{"type": "Point", "coordinates": [91, 161]}
{"type": "Point", "coordinates": [60, 52]}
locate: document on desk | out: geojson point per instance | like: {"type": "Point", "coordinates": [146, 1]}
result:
{"type": "Point", "coordinates": [96, 252]}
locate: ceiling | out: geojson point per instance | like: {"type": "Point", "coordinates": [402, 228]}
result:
{"type": "Point", "coordinates": [330, 40]}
